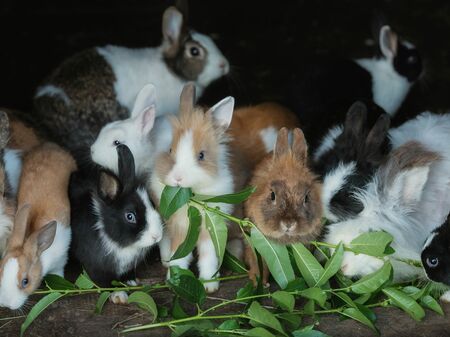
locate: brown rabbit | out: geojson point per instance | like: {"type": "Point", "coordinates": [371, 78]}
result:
{"type": "Point", "coordinates": [41, 234]}
{"type": "Point", "coordinates": [286, 205]}
{"type": "Point", "coordinates": [253, 130]}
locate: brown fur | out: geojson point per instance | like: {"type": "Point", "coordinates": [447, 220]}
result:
{"type": "Point", "coordinates": [297, 195]}
{"type": "Point", "coordinates": [23, 136]}
{"type": "Point", "coordinates": [249, 121]}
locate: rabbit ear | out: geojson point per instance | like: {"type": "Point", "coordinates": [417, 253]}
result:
{"type": "Point", "coordinates": [45, 237]}
{"type": "Point", "coordinates": [17, 238]}
{"type": "Point", "coordinates": [172, 24]}
{"type": "Point", "coordinates": [282, 143]}
{"type": "Point", "coordinates": [145, 98]}
{"type": "Point", "coordinates": [355, 122]}
{"type": "Point", "coordinates": [108, 186]}
{"type": "Point", "coordinates": [127, 173]}
{"type": "Point", "coordinates": [299, 146]}
{"type": "Point", "coordinates": [4, 129]}
{"type": "Point", "coordinates": [377, 135]}
{"type": "Point", "coordinates": [388, 42]}
{"type": "Point", "coordinates": [187, 98]}
{"type": "Point", "coordinates": [145, 120]}
{"type": "Point", "coordinates": [222, 112]}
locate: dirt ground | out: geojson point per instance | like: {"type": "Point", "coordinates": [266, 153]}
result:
{"type": "Point", "coordinates": [263, 41]}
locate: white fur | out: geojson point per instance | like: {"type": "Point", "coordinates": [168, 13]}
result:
{"type": "Point", "coordinates": [13, 168]}
{"type": "Point", "coordinates": [144, 147]}
{"type": "Point", "coordinates": [134, 68]}
{"type": "Point", "coordinates": [445, 297]}
{"type": "Point", "coordinates": [119, 297]}
{"type": "Point", "coordinates": [53, 261]}
{"type": "Point", "coordinates": [128, 256]}
{"type": "Point", "coordinates": [332, 183]}
{"type": "Point", "coordinates": [53, 91]}
{"type": "Point", "coordinates": [269, 138]}
{"type": "Point", "coordinates": [6, 223]}
{"type": "Point", "coordinates": [327, 142]}
{"type": "Point", "coordinates": [389, 88]}
{"type": "Point", "coordinates": [429, 240]}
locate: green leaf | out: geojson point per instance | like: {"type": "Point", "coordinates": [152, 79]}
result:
{"type": "Point", "coordinates": [188, 245]}
{"type": "Point", "coordinates": [262, 317]}
{"type": "Point", "coordinates": [372, 282]}
{"type": "Point", "coordinates": [246, 291]}
{"type": "Point", "coordinates": [346, 299]}
{"type": "Point", "coordinates": [414, 292]}
{"type": "Point", "coordinates": [293, 321]}
{"type": "Point", "coordinates": [367, 312]}
{"type": "Point", "coordinates": [232, 263]}
{"type": "Point", "coordinates": [144, 301]}
{"type": "Point", "coordinates": [310, 333]}
{"type": "Point", "coordinates": [101, 302]}
{"type": "Point", "coordinates": [371, 243]}
{"type": "Point", "coordinates": [405, 302]}
{"type": "Point", "coordinates": [172, 199]}
{"type": "Point", "coordinates": [332, 266]}
{"type": "Point", "coordinates": [218, 230]}
{"type": "Point", "coordinates": [296, 285]}
{"type": "Point", "coordinates": [235, 198]}
{"type": "Point", "coordinates": [56, 282]}
{"type": "Point", "coordinates": [38, 308]}
{"type": "Point", "coordinates": [177, 310]}
{"type": "Point", "coordinates": [284, 300]}
{"type": "Point", "coordinates": [259, 332]}
{"type": "Point", "coordinates": [275, 255]}
{"type": "Point", "coordinates": [309, 308]}
{"type": "Point", "coordinates": [315, 294]}
{"type": "Point", "coordinates": [309, 267]}
{"type": "Point", "coordinates": [186, 285]}
{"type": "Point", "coordinates": [429, 302]}
{"type": "Point", "coordinates": [357, 315]}
{"type": "Point", "coordinates": [163, 311]}
{"type": "Point", "coordinates": [84, 281]}
{"type": "Point", "coordinates": [230, 324]}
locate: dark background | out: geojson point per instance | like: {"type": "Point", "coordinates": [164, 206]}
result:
{"type": "Point", "coordinates": [262, 39]}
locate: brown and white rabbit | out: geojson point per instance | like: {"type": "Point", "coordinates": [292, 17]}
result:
{"type": "Point", "coordinates": [41, 234]}
{"type": "Point", "coordinates": [199, 159]}
{"type": "Point", "coordinates": [254, 129]}
{"type": "Point", "coordinates": [100, 85]}
{"type": "Point", "coordinates": [286, 206]}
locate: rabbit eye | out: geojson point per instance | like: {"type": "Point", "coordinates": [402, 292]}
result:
{"type": "Point", "coordinates": [130, 217]}
{"type": "Point", "coordinates": [411, 59]}
{"type": "Point", "coordinates": [116, 143]}
{"type": "Point", "coordinates": [306, 199]}
{"type": "Point", "coordinates": [194, 51]}
{"type": "Point", "coordinates": [24, 282]}
{"type": "Point", "coordinates": [170, 150]}
{"type": "Point", "coordinates": [432, 262]}
{"type": "Point", "coordinates": [201, 155]}
{"type": "Point", "coordinates": [272, 196]}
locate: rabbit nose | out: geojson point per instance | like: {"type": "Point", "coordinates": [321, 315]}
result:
{"type": "Point", "coordinates": [224, 66]}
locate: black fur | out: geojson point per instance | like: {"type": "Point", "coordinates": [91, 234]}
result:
{"type": "Point", "coordinates": [439, 249]}
{"type": "Point", "coordinates": [408, 62]}
{"type": "Point", "coordinates": [365, 147]}
{"type": "Point", "coordinates": [87, 247]}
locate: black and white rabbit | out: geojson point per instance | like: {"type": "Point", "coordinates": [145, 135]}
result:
{"type": "Point", "coordinates": [114, 222]}
{"type": "Point", "coordinates": [100, 85]}
{"type": "Point", "coordinates": [325, 87]}
{"type": "Point", "coordinates": [435, 256]}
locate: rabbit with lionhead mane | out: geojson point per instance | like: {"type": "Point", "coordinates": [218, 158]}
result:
{"type": "Point", "coordinates": [100, 85]}
{"type": "Point", "coordinates": [286, 205]}
{"type": "Point", "coordinates": [41, 234]}
{"type": "Point", "coordinates": [198, 158]}
{"type": "Point", "coordinates": [141, 133]}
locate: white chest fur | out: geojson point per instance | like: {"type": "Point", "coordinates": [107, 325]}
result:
{"type": "Point", "coordinates": [135, 68]}
{"type": "Point", "coordinates": [389, 89]}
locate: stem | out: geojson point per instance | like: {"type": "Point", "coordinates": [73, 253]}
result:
{"type": "Point", "coordinates": [236, 300]}
{"type": "Point", "coordinates": [240, 222]}
{"type": "Point", "coordinates": [183, 320]}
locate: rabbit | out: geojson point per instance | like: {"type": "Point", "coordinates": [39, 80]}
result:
{"type": "Point", "coordinates": [254, 130]}
{"type": "Point", "coordinates": [286, 205]}
{"type": "Point", "coordinates": [346, 168]}
{"type": "Point", "coordinates": [99, 85]}
{"type": "Point", "coordinates": [114, 222]}
{"type": "Point", "coordinates": [326, 87]}
{"type": "Point", "coordinates": [199, 159]}
{"type": "Point", "coordinates": [390, 202]}
{"type": "Point", "coordinates": [435, 254]}
{"type": "Point", "coordinates": [143, 135]}
{"type": "Point", "coordinates": [347, 157]}
{"type": "Point", "coordinates": [41, 234]}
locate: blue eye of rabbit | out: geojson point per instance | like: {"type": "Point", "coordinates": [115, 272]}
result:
{"type": "Point", "coordinates": [24, 282]}
{"type": "Point", "coordinates": [201, 155]}
{"type": "Point", "coordinates": [130, 217]}
{"type": "Point", "coordinates": [432, 262]}
{"type": "Point", "coordinates": [116, 143]}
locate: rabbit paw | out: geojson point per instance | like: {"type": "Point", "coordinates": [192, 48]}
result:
{"type": "Point", "coordinates": [119, 297]}
{"type": "Point", "coordinates": [359, 265]}
{"type": "Point", "coordinates": [446, 297]}
{"type": "Point", "coordinates": [211, 287]}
